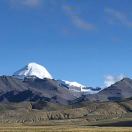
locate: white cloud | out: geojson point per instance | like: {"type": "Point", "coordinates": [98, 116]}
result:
{"type": "Point", "coordinates": [109, 80]}
{"type": "Point", "coordinates": [28, 3]}
{"type": "Point", "coordinates": [118, 17]}
{"type": "Point", "coordinates": [77, 20]}
{"type": "Point", "coordinates": [80, 23]}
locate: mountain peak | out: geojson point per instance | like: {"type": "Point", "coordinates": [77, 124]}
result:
{"type": "Point", "coordinates": [32, 64]}
{"type": "Point", "coordinates": [33, 69]}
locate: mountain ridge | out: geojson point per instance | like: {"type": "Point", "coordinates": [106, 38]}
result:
{"type": "Point", "coordinates": [38, 88]}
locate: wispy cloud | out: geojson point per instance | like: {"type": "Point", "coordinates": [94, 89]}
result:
{"type": "Point", "coordinates": [109, 80]}
{"type": "Point", "coordinates": [118, 17]}
{"type": "Point", "coordinates": [80, 23]}
{"type": "Point", "coordinates": [77, 20]}
{"type": "Point", "coordinates": [28, 3]}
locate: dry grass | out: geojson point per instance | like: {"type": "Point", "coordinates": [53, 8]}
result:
{"type": "Point", "coordinates": [65, 129]}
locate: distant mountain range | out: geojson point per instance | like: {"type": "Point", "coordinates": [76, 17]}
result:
{"type": "Point", "coordinates": [34, 83]}
{"type": "Point", "coordinates": [32, 95]}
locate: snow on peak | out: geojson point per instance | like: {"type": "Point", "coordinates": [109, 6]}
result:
{"type": "Point", "coordinates": [33, 69]}
{"type": "Point", "coordinates": [74, 84]}
{"type": "Point", "coordinates": [77, 87]}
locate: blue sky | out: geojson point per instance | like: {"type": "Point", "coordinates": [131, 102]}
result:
{"type": "Point", "coordinates": [78, 40]}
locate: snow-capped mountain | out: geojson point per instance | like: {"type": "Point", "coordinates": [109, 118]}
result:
{"type": "Point", "coordinates": [74, 84]}
{"type": "Point", "coordinates": [77, 87]}
{"type": "Point", "coordinates": [33, 69]}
